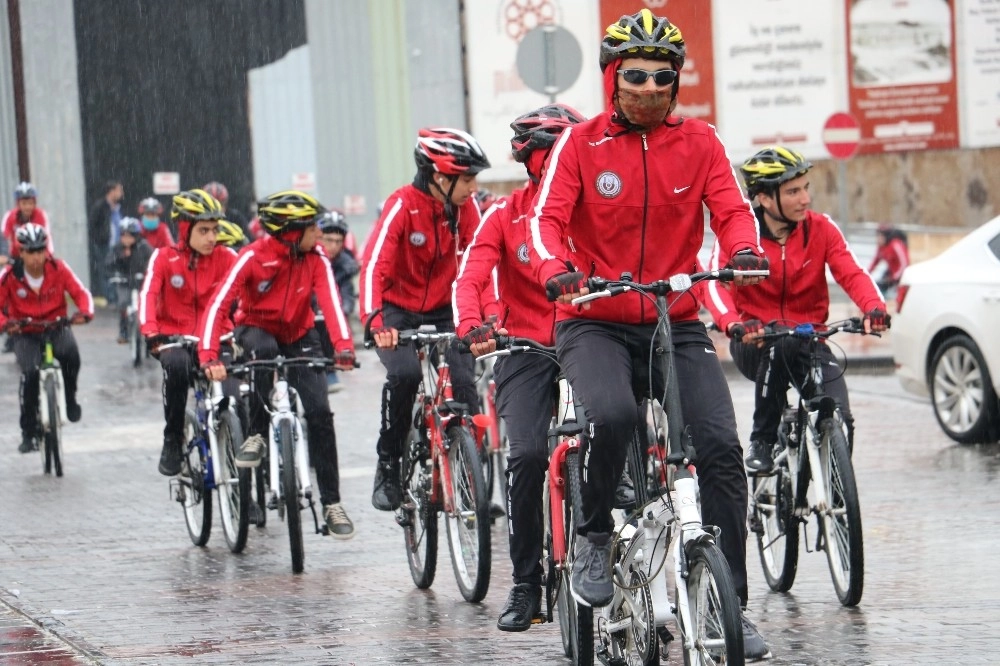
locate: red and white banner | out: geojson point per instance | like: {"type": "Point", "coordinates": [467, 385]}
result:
{"type": "Point", "coordinates": [901, 73]}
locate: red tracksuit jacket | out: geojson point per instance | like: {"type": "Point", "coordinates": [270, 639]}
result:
{"type": "Point", "coordinates": [501, 242]}
{"type": "Point", "coordinates": [796, 291]}
{"type": "Point", "coordinates": [178, 286]}
{"type": "Point", "coordinates": [12, 220]}
{"type": "Point", "coordinates": [412, 257]}
{"type": "Point", "coordinates": [19, 301]}
{"type": "Point", "coordinates": [895, 255]}
{"type": "Point", "coordinates": [274, 292]}
{"type": "Point", "coordinates": [614, 201]}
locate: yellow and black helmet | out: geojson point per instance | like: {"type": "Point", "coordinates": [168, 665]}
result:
{"type": "Point", "coordinates": [643, 35]}
{"type": "Point", "coordinates": [230, 235]}
{"type": "Point", "coordinates": [289, 210]}
{"type": "Point", "coordinates": [196, 205]}
{"type": "Point", "coordinates": [772, 166]}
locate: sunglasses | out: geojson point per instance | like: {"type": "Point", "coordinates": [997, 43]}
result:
{"type": "Point", "coordinates": [661, 77]}
{"type": "Point", "coordinates": [34, 250]}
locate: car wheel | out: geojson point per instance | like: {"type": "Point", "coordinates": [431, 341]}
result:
{"type": "Point", "coordinates": [962, 392]}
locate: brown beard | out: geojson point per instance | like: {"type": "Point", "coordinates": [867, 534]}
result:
{"type": "Point", "coordinates": [645, 109]}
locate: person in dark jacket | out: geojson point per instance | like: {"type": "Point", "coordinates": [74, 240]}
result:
{"type": "Point", "coordinates": [127, 262]}
{"type": "Point", "coordinates": [102, 232]}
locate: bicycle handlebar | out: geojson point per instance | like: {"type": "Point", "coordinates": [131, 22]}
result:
{"type": "Point", "coordinates": [806, 331]}
{"type": "Point", "coordinates": [509, 345]}
{"type": "Point", "coordinates": [603, 288]}
{"type": "Point", "coordinates": [279, 362]}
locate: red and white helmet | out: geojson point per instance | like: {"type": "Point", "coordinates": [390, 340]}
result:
{"type": "Point", "coordinates": [449, 151]}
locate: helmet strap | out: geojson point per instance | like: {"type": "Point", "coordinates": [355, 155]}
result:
{"type": "Point", "coordinates": [449, 208]}
{"type": "Point", "coordinates": [781, 218]}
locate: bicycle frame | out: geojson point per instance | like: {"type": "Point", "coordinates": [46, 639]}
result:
{"type": "Point", "coordinates": [283, 397]}
{"type": "Point", "coordinates": [50, 368]}
{"type": "Point", "coordinates": [437, 415]}
{"type": "Point", "coordinates": [557, 464]}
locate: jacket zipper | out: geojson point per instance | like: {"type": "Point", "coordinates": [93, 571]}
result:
{"type": "Point", "coordinates": [642, 238]}
{"type": "Point", "coordinates": [784, 278]}
{"type": "Point", "coordinates": [437, 255]}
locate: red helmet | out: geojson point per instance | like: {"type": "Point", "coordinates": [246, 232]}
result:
{"type": "Point", "coordinates": [217, 190]}
{"type": "Point", "coordinates": [449, 151]}
{"type": "Point", "coordinates": [539, 129]}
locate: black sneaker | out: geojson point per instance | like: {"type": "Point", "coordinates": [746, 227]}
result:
{"type": "Point", "coordinates": [337, 522]}
{"type": "Point", "coordinates": [591, 581]}
{"type": "Point", "coordinates": [523, 607]}
{"type": "Point", "coordinates": [625, 492]}
{"type": "Point", "coordinates": [73, 411]}
{"type": "Point", "coordinates": [758, 460]}
{"type": "Point", "coordinates": [28, 443]}
{"type": "Point", "coordinates": [170, 457]}
{"type": "Point", "coordinates": [754, 647]}
{"type": "Point", "coordinates": [386, 495]}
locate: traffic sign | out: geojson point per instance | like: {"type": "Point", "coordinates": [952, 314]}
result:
{"type": "Point", "coordinates": [842, 135]}
{"type": "Point", "coordinates": [304, 181]}
{"type": "Point", "coordinates": [549, 59]}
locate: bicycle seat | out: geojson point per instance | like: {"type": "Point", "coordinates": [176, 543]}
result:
{"type": "Point", "coordinates": [566, 429]}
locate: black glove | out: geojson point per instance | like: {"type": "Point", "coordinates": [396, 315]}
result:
{"type": "Point", "coordinates": [345, 359]}
{"type": "Point", "coordinates": [750, 327]}
{"type": "Point", "coordinates": [479, 334]}
{"type": "Point", "coordinates": [153, 343]}
{"type": "Point", "coordinates": [748, 260]}
{"type": "Point", "coordinates": [564, 283]}
{"type": "Point", "coordinates": [878, 318]}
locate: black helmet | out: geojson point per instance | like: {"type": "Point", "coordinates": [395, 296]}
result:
{"type": "Point", "coordinates": [25, 190]}
{"type": "Point", "coordinates": [449, 151]}
{"type": "Point", "coordinates": [539, 129]}
{"type": "Point", "coordinates": [643, 35]}
{"type": "Point", "coordinates": [333, 221]}
{"type": "Point", "coordinates": [32, 236]}
{"type": "Point", "coordinates": [772, 166]}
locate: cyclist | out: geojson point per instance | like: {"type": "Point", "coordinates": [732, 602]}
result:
{"type": "Point", "coordinates": [624, 192]}
{"type": "Point", "coordinates": [179, 282]}
{"type": "Point", "coordinates": [334, 231]}
{"type": "Point", "coordinates": [893, 250]}
{"type": "Point", "coordinates": [221, 193]}
{"type": "Point", "coordinates": [523, 382]}
{"type": "Point", "coordinates": [153, 230]}
{"type": "Point", "coordinates": [800, 244]}
{"type": "Point", "coordinates": [26, 211]}
{"type": "Point", "coordinates": [272, 283]}
{"type": "Point", "coordinates": [411, 260]}
{"type": "Point", "coordinates": [35, 286]}
{"type": "Point", "coordinates": [485, 199]}
{"type": "Point", "coordinates": [231, 235]}
{"type": "Point", "coordinates": [128, 259]}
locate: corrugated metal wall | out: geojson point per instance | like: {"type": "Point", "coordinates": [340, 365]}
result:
{"type": "Point", "coordinates": [281, 122]}
{"type": "Point", "coordinates": [52, 109]}
{"type": "Point", "coordinates": [9, 175]}
{"type": "Point", "coordinates": [381, 69]}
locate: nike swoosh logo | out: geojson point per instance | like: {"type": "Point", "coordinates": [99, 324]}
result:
{"type": "Point", "coordinates": [306, 349]}
{"type": "Point", "coordinates": [709, 351]}
{"type": "Point", "coordinates": [299, 290]}
{"type": "Point", "coordinates": [805, 262]}
{"type": "Point", "coordinates": [270, 263]}
{"type": "Point", "coordinates": [678, 190]}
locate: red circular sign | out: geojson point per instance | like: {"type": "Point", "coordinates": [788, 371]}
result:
{"type": "Point", "coordinates": [842, 135]}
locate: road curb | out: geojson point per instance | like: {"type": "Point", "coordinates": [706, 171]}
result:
{"type": "Point", "coordinates": [53, 627]}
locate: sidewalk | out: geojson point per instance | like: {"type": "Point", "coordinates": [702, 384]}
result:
{"type": "Point", "coordinates": [863, 353]}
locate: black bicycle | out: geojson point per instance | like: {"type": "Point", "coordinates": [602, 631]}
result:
{"type": "Point", "coordinates": [812, 476]}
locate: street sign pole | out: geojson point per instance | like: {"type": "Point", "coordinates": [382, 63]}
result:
{"type": "Point", "coordinates": [842, 137]}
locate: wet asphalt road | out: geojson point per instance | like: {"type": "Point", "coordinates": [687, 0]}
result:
{"type": "Point", "coordinates": [96, 567]}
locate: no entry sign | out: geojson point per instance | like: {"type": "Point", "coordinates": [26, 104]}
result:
{"type": "Point", "coordinates": [842, 135]}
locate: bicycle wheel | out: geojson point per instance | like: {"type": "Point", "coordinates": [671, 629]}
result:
{"type": "Point", "coordinates": [196, 500]}
{"type": "Point", "coordinates": [776, 527]}
{"type": "Point", "coordinates": [418, 517]}
{"type": "Point", "coordinates": [137, 345]}
{"type": "Point", "coordinates": [714, 609]}
{"type": "Point", "coordinates": [840, 515]}
{"type": "Point", "coordinates": [576, 621]}
{"type": "Point", "coordinates": [468, 526]}
{"type": "Point", "coordinates": [290, 487]}
{"type": "Point", "coordinates": [53, 436]}
{"type": "Point", "coordinates": [260, 488]}
{"type": "Point", "coordinates": [234, 489]}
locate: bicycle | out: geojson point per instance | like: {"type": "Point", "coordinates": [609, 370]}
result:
{"type": "Point", "coordinates": [212, 435]}
{"type": "Point", "coordinates": [442, 472]}
{"type": "Point", "coordinates": [562, 506]}
{"type": "Point", "coordinates": [136, 341]}
{"type": "Point", "coordinates": [51, 394]}
{"type": "Point", "coordinates": [818, 482]}
{"type": "Point", "coordinates": [287, 482]}
{"type": "Point", "coordinates": [495, 448]}
{"type": "Point", "coordinates": [668, 526]}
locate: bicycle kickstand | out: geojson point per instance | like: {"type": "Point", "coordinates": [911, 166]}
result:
{"type": "Point", "coordinates": [312, 508]}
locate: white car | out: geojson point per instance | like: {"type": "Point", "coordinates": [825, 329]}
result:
{"type": "Point", "coordinates": [946, 337]}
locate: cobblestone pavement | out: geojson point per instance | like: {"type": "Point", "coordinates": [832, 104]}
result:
{"type": "Point", "coordinates": [100, 561]}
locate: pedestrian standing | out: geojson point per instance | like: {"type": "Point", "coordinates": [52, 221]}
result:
{"type": "Point", "coordinates": [103, 234]}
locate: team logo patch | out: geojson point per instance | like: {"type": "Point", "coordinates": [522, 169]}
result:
{"type": "Point", "coordinates": [522, 253]}
{"type": "Point", "coordinates": [609, 185]}
{"type": "Point", "coordinates": [264, 286]}
{"type": "Point", "coordinates": [22, 293]}
{"type": "Point", "coordinates": [176, 281]}
{"type": "Point", "coordinates": [417, 238]}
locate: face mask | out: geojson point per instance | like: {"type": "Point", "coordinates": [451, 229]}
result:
{"type": "Point", "coordinates": [643, 108]}
{"type": "Point", "coordinates": [150, 223]}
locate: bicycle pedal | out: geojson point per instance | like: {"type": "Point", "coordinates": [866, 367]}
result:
{"type": "Point", "coordinates": [404, 518]}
